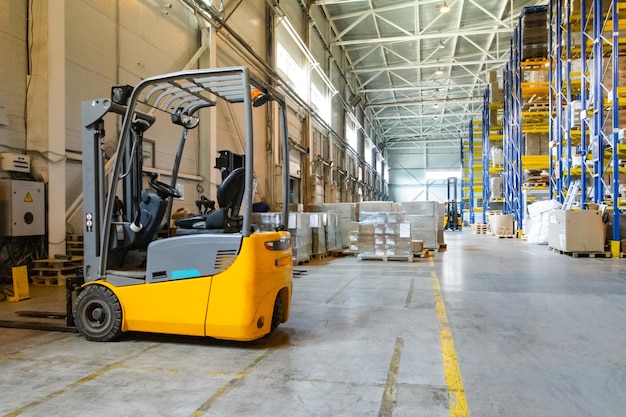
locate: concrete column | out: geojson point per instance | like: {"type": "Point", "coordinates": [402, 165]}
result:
{"type": "Point", "coordinates": [46, 112]}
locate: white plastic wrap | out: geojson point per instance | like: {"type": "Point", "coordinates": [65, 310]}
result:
{"type": "Point", "coordinates": [540, 217]}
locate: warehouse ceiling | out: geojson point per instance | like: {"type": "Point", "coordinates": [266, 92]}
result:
{"type": "Point", "coordinates": [421, 73]}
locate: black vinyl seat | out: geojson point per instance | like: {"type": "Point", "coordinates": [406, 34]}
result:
{"type": "Point", "coordinates": [226, 218]}
{"type": "Point", "coordinates": [152, 209]}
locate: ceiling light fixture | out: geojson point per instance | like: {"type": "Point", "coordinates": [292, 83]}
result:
{"type": "Point", "coordinates": [439, 71]}
{"type": "Point", "coordinates": [444, 8]}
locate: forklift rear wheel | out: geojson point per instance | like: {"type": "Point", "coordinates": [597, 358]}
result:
{"type": "Point", "coordinates": [98, 314]}
{"type": "Point", "coordinates": [277, 314]}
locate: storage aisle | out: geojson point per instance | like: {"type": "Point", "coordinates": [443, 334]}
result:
{"type": "Point", "coordinates": [530, 333]}
{"type": "Point", "coordinates": [536, 333]}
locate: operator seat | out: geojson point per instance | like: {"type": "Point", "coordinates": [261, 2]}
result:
{"type": "Point", "coordinates": [226, 218]}
{"type": "Point", "coordinates": [152, 209]}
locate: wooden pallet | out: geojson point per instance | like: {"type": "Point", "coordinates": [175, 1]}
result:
{"type": "Point", "coordinates": [535, 184]}
{"type": "Point", "coordinates": [507, 236]}
{"type": "Point", "coordinates": [343, 252]}
{"type": "Point", "coordinates": [425, 253]}
{"type": "Point", "coordinates": [480, 228]}
{"type": "Point", "coordinates": [385, 258]}
{"type": "Point", "coordinates": [74, 245]}
{"type": "Point", "coordinates": [605, 254]}
{"type": "Point", "coordinates": [536, 107]}
{"type": "Point", "coordinates": [54, 271]}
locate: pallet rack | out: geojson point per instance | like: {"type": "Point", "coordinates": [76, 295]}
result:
{"type": "Point", "coordinates": [526, 112]}
{"type": "Point", "coordinates": [465, 174]}
{"type": "Point", "coordinates": [587, 33]}
{"type": "Point", "coordinates": [512, 173]}
{"type": "Point", "coordinates": [491, 137]}
{"type": "Point", "coordinates": [471, 156]}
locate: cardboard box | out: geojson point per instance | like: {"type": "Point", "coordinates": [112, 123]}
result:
{"type": "Point", "coordinates": [501, 224]}
{"type": "Point", "coordinates": [576, 231]}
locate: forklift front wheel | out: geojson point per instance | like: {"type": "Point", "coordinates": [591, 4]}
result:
{"type": "Point", "coordinates": [98, 314]}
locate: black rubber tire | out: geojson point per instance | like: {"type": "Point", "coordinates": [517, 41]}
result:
{"type": "Point", "coordinates": [98, 314]}
{"type": "Point", "coordinates": [277, 314]}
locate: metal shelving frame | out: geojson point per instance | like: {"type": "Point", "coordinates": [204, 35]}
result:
{"type": "Point", "coordinates": [471, 171]}
{"type": "Point", "coordinates": [465, 173]}
{"type": "Point", "coordinates": [512, 143]}
{"type": "Point", "coordinates": [486, 152]}
{"type": "Point", "coordinates": [557, 130]}
{"type": "Point", "coordinates": [599, 135]}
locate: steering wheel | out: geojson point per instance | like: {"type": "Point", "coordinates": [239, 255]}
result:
{"type": "Point", "coordinates": [163, 190]}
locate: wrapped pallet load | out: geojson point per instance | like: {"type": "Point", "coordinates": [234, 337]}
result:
{"type": "Point", "coordinates": [384, 235]}
{"type": "Point", "coordinates": [539, 213]}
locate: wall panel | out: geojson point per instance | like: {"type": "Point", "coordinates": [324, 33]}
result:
{"type": "Point", "coordinates": [13, 75]}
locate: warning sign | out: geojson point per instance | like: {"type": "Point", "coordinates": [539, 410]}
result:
{"type": "Point", "coordinates": [28, 198]}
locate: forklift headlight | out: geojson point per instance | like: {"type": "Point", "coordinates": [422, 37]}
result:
{"type": "Point", "coordinates": [281, 244]}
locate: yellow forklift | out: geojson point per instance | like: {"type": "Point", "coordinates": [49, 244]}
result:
{"type": "Point", "coordinates": [453, 220]}
{"type": "Point", "coordinates": [217, 276]}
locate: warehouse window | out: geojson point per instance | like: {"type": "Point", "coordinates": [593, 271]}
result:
{"type": "Point", "coordinates": [289, 68]}
{"type": "Point", "coordinates": [351, 136]}
{"type": "Point", "coordinates": [321, 103]}
{"type": "Point", "coordinates": [440, 174]}
{"type": "Point", "coordinates": [368, 153]}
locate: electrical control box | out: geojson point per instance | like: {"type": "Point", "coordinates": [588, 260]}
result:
{"type": "Point", "coordinates": [22, 208]}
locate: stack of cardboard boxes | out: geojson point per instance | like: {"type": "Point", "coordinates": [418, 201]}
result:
{"type": "Point", "coordinates": [384, 235]}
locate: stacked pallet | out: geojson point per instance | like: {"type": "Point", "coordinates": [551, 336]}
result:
{"type": "Point", "coordinates": [384, 236]}
{"type": "Point", "coordinates": [55, 271]}
{"type": "Point", "coordinates": [534, 32]}
{"type": "Point", "coordinates": [535, 178]}
{"type": "Point", "coordinates": [74, 245]}
{"type": "Point", "coordinates": [480, 229]}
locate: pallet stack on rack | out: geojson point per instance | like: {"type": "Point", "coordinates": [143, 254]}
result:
{"type": "Point", "coordinates": [465, 178]}
{"type": "Point", "coordinates": [472, 188]}
{"type": "Point", "coordinates": [493, 157]}
{"type": "Point", "coordinates": [526, 118]}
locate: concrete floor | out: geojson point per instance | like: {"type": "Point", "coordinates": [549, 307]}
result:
{"type": "Point", "coordinates": [533, 334]}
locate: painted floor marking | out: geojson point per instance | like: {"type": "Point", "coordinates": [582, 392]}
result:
{"type": "Point", "coordinates": [78, 383]}
{"type": "Point", "coordinates": [391, 386]}
{"type": "Point", "coordinates": [456, 393]}
{"type": "Point", "coordinates": [226, 388]}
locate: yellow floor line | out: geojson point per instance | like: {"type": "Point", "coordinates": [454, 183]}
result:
{"type": "Point", "coordinates": [389, 394]}
{"type": "Point", "coordinates": [456, 393]}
